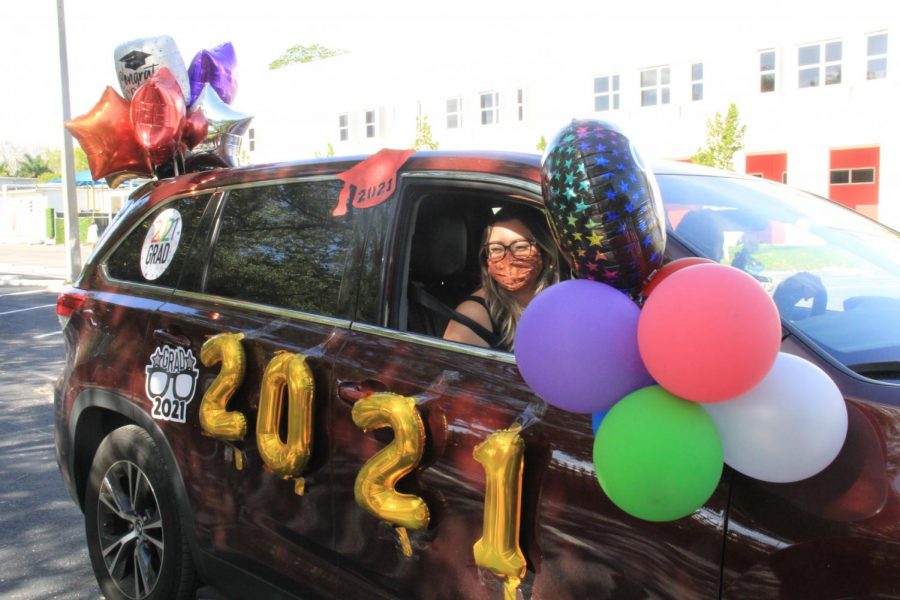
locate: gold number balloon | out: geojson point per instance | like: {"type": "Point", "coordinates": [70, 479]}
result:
{"type": "Point", "coordinates": [286, 458]}
{"type": "Point", "coordinates": [215, 420]}
{"type": "Point", "coordinates": [502, 456]}
{"type": "Point", "coordinates": [375, 483]}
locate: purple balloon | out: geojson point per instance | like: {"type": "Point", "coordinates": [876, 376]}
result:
{"type": "Point", "coordinates": [215, 67]}
{"type": "Point", "coordinates": [576, 346]}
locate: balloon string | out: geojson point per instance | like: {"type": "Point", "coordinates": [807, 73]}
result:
{"type": "Point", "coordinates": [510, 587]}
{"type": "Point", "coordinates": [405, 546]}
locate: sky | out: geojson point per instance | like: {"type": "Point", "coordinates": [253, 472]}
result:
{"type": "Point", "coordinates": [399, 31]}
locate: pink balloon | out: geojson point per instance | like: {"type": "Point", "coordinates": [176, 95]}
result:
{"type": "Point", "coordinates": [709, 333]}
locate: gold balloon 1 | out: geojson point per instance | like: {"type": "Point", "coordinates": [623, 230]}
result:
{"type": "Point", "coordinates": [287, 459]}
{"type": "Point", "coordinates": [502, 456]}
{"type": "Point", "coordinates": [375, 484]}
{"type": "Point", "coordinates": [215, 420]}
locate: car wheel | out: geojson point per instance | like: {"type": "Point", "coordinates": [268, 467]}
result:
{"type": "Point", "coordinates": [133, 525]}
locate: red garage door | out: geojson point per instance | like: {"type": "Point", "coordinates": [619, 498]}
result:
{"type": "Point", "coordinates": [768, 166]}
{"type": "Point", "coordinates": [854, 179]}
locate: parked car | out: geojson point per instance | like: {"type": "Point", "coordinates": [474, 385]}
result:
{"type": "Point", "coordinates": [258, 251]}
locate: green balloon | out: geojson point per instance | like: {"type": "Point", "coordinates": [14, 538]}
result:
{"type": "Point", "coordinates": [658, 457]}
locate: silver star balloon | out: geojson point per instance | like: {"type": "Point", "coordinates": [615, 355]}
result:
{"type": "Point", "coordinates": [226, 128]}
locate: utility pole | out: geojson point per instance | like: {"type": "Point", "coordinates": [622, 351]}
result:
{"type": "Point", "coordinates": [70, 200]}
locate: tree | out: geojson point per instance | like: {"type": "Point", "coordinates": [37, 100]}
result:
{"type": "Point", "coordinates": [723, 139]}
{"type": "Point", "coordinates": [32, 166]}
{"type": "Point", "coordinates": [541, 145]}
{"type": "Point", "coordinates": [5, 170]}
{"type": "Point", "coordinates": [54, 159]}
{"type": "Point", "coordinates": [303, 54]}
{"type": "Point", "coordinates": [424, 140]}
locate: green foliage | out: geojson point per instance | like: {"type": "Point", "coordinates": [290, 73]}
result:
{"type": "Point", "coordinates": [424, 141]}
{"type": "Point", "coordinates": [724, 138]}
{"type": "Point", "coordinates": [32, 166]}
{"type": "Point", "coordinates": [303, 54]}
{"type": "Point", "coordinates": [5, 170]}
{"type": "Point", "coordinates": [541, 145]}
{"type": "Point", "coordinates": [54, 160]}
{"type": "Point", "coordinates": [330, 151]}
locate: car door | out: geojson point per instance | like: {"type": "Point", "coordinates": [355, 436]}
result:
{"type": "Point", "coordinates": [577, 544]}
{"type": "Point", "coordinates": [277, 274]}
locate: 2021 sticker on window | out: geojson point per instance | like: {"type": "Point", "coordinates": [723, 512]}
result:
{"type": "Point", "coordinates": [160, 244]}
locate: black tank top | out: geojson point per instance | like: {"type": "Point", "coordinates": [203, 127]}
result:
{"type": "Point", "coordinates": [493, 339]}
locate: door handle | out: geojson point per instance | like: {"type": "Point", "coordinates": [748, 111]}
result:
{"type": "Point", "coordinates": [351, 391]}
{"type": "Point", "coordinates": [166, 336]}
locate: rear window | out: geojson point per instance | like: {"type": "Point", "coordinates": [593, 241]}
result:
{"type": "Point", "coordinates": [154, 252]}
{"type": "Point", "coordinates": [279, 245]}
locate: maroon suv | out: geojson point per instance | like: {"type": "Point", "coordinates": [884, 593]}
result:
{"type": "Point", "coordinates": [277, 255]}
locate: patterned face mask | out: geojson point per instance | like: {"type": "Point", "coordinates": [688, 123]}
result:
{"type": "Point", "coordinates": [512, 274]}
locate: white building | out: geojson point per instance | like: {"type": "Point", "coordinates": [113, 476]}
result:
{"type": "Point", "coordinates": [818, 97]}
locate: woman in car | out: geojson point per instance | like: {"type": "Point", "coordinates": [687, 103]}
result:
{"type": "Point", "coordinates": [518, 260]}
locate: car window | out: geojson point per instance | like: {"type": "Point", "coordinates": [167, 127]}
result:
{"type": "Point", "coordinates": [156, 257]}
{"type": "Point", "coordinates": [833, 274]}
{"type": "Point", "coordinates": [279, 245]}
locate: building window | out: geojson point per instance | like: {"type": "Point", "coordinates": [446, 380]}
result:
{"type": "Point", "coordinates": [655, 86]}
{"type": "Point", "coordinates": [818, 63]}
{"type": "Point", "coordinates": [343, 127]}
{"type": "Point", "coordinates": [850, 176]}
{"type": "Point", "coordinates": [606, 93]}
{"type": "Point", "coordinates": [520, 101]}
{"type": "Point", "coordinates": [251, 139]}
{"type": "Point", "coordinates": [876, 52]}
{"type": "Point", "coordinates": [454, 113]}
{"type": "Point", "coordinates": [490, 108]}
{"type": "Point", "coordinates": [767, 71]}
{"type": "Point", "coordinates": [697, 81]}
{"type": "Point", "coordinates": [371, 129]}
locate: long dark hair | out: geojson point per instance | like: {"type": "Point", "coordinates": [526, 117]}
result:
{"type": "Point", "coordinates": [505, 311]}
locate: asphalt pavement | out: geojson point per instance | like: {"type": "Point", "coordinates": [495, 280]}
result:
{"type": "Point", "coordinates": [43, 553]}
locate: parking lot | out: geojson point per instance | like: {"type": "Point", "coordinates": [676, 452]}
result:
{"type": "Point", "coordinates": [42, 548]}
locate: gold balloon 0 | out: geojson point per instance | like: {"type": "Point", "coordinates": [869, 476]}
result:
{"type": "Point", "coordinates": [502, 456]}
{"type": "Point", "coordinates": [215, 420]}
{"type": "Point", "coordinates": [287, 459]}
{"type": "Point", "coordinates": [375, 484]}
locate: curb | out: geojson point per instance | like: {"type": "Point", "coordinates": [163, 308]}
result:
{"type": "Point", "coordinates": [17, 280]}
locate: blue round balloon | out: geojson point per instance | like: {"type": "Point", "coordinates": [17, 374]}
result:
{"type": "Point", "coordinates": [596, 419]}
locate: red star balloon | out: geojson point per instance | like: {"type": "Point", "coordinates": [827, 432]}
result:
{"type": "Point", "coordinates": [107, 137]}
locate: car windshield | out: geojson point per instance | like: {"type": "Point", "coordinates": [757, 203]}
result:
{"type": "Point", "coordinates": [834, 275]}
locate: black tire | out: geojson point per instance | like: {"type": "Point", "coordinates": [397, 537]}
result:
{"type": "Point", "coordinates": [131, 512]}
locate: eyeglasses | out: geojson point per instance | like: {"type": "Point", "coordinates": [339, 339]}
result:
{"type": "Point", "coordinates": [159, 381]}
{"type": "Point", "coordinates": [495, 251]}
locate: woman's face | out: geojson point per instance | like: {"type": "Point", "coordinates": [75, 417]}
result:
{"type": "Point", "coordinates": [516, 271]}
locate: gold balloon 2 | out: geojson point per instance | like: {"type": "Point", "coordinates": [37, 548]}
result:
{"type": "Point", "coordinates": [374, 489]}
{"type": "Point", "coordinates": [502, 456]}
{"type": "Point", "coordinates": [286, 459]}
{"type": "Point", "coordinates": [215, 419]}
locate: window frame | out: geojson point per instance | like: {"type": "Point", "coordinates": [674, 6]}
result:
{"type": "Point", "coordinates": [696, 82]}
{"type": "Point", "coordinates": [661, 89]}
{"type": "Point", "coordinates": [851, 175]}
{"type": "Point", "coordinates": [371, 126]}
{"type": "Point", "coordinates": [493, 110]}
{"type": "Point", "coordinates": [343, 128]}
{"type": "Point", "coordinates": [194, 246]}
{"type": "Point", "coordinates": [612, 93]}
{"type": "Point", "coordinates": [821, 65]}
{"type": "Point", "coordinates": [870, 57]}
{"type": "Point", "coordinates": [458, 114]}
{"type": "Point", "coordinates": [773, 72]}
{"type": "Point", "coordinates": [520, 103]}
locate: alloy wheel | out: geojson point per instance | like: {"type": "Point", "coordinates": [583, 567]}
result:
{"type": "Point", "coordinates": [130, 529]}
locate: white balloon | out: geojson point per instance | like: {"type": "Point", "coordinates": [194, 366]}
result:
{"type": "Point", "coordinates": [136, 62]}
{"type": "Point", "coordinates": [787, 428]}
